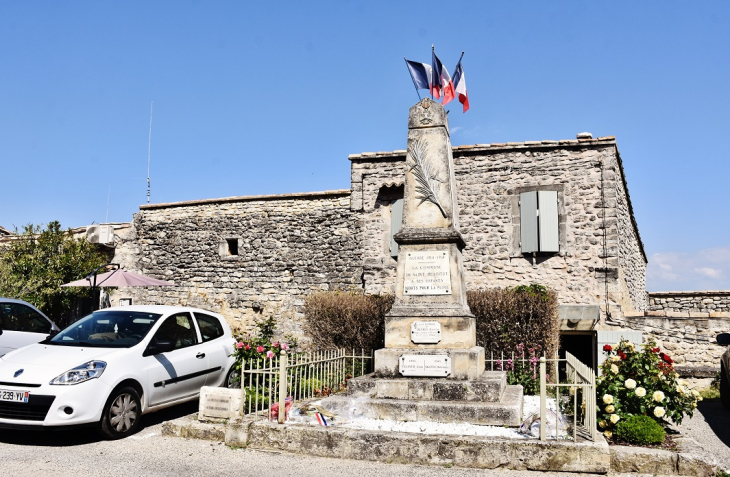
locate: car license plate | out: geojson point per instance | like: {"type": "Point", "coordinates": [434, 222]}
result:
{"type": "Point", "coordinates": [14, 396]}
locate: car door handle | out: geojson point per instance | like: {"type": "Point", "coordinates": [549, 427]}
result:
{"type": "Point", "coordinates": [200, 355]}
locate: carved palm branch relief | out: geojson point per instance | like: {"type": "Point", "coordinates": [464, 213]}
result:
{"type": "Point", "coordinates": [427, 181]}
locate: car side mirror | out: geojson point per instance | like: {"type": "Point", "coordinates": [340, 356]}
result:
{"type": "Point", "coordinates": [159, 346]}
{"type": "Point", "coordinates": [723, 339]}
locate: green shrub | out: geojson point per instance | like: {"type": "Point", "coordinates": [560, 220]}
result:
{"type": "Point", "coordinates": [513, 318]}
{"type": "Point", "coordinates": [346, 319]}
{"type": "Point", "coordinates": [640, 430]}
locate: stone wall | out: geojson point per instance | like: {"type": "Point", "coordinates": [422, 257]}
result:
{"type": "Point", "coordinates": [631, 256]}
{"type": "Point", "coordinates": [695, 301]}
{"type": "Point", "coordinates": [489, 181]}
{"type": "Point", "coordinates": [288, 246]}
{"type": "Point", "coordinates": [688, 337]}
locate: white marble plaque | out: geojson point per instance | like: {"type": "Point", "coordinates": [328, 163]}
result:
{"type": "Point", "coordinates": [217, 406]}
{"type": "Point", "coordinates": [427, 273]}
{"type": "Point", "coordinates": [425, 365]}
{"type": "Point", "coordinates": [426, 332]}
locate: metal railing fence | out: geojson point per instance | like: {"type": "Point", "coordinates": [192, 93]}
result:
{"type": "Point", "coordinates": [581, 386]}
{"type": "Point", "coordinates": [269, 387]}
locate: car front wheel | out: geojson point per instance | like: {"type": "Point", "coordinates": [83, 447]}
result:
{"type": "Point", "coordinates": [122, 413]}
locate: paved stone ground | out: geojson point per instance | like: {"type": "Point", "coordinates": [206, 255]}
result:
{"type": "Point", "coordinates": [81, 452]}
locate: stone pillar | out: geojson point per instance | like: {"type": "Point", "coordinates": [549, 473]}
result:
{"type": "Point", "coordinates": [430, 315]}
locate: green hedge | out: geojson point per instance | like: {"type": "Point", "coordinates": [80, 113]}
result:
{"type": "Point", "coordinates": [346, 319]}
{"type": "Point", "coordinates": [523, 315]}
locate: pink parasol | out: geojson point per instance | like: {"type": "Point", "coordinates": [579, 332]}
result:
{"type": "Point", "coordinates": [119, 278]}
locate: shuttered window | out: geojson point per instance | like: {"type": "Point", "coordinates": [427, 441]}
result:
{"type": "Point", "coordinates": [539, 221]}
{"type": "Point", "coordinates": [396, 221]}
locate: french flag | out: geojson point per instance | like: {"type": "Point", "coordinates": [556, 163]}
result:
{"type": "Point", "coordinates": [420, 74]}
{"type": "Point", "coordinates": [460, 85]}
{"type": "Point", "coordinates": [441, 80]}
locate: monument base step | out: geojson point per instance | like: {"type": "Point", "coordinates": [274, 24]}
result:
{"type": "Point", "coordinates": [465, 363]}
{"type": "Point", "coordinates": [507, 412]}
{"type": "Point", "coordinates": [487, 388]}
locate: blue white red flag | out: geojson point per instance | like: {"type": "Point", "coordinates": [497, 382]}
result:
{"type": "Point", "coordinates": [440, 80]}
{"type": "Point", "coordinates": [420, 74]}
{"type": "Point", "coordinates": [460, 86]}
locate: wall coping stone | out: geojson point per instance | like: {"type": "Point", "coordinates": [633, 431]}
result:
{"type": "Point", "coordinates": [689, 293]}
{"type": "Point", "coordinates": [601, 141]}
{"type": "Point", "coordinates": [250, 198]}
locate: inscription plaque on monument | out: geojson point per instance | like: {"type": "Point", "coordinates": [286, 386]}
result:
{"type": "Point", "coordinates": [427, 273]}
{"type": "Point", "coordinates": [425, 365]}
{"type": "Point", "coordinates": [217, 406]}
{"type": "Point", "coordinates": [426, 332]}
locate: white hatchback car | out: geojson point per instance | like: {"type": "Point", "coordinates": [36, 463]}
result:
{"type": "Point", "coordinates": [114, 365]}
{"type": "Point", "coordinates": [22, 324]}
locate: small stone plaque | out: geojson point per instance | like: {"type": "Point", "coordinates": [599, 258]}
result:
{"type": "Point", "coordinates": [425, 365]}
{"type": "Point", "coordinates": [426, 332]}
{"type": "Point", "coordinates": [217, 406]}
{"type": "Point", "coordinates": [427, 273]}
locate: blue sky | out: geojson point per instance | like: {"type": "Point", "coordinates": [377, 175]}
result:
{"type": "Point", "coordinates": [271, 97]}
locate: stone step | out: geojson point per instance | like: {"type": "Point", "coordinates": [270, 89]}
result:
{"type": "Point", "coordinates": [508, 412]}
{"type": "Point", "coordinates": [487, 388]}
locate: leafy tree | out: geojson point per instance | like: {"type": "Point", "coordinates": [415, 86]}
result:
{"type": "Point", "coordinates": [35, 264]}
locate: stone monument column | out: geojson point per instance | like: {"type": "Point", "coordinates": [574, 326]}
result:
{"type": "Point", "coordinates": [430, 331]}
{"type": "Point", "coordinates": [431, 368]}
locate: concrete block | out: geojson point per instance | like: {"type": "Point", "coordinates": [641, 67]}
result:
{"type": "Point", "coordinates": [465, 363]}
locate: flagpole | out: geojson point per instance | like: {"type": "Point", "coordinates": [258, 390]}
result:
{"type": "Point", "coordinates": [433, 71]}
{"type": "Point", "coordinates": [414, 81]}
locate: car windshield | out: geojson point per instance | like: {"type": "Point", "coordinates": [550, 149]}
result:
{"type": "Point", "coordinates": [107, 329]}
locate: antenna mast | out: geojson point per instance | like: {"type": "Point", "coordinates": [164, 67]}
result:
{"type": "Point", "coordinates": [149, 148]}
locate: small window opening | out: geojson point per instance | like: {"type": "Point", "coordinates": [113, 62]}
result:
{"type": "Point", "coordinates": [232, 246]}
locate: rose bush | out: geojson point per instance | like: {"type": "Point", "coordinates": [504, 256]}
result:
{"type": "Point", "coordinates": [641, 383]}
{"type": "Point", "coordinates": [260, 345]}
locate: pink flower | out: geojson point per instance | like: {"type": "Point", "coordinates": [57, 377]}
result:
{"type": "Point", "coordinates": [247, 347]}
{"type": "Point", "coordinates": [239, 345]}
{"type": "Point", "coordinates": [269, 354]}
{"type": "Point", "coordinates": [284, 346]}
{"type": "Point", "coordinates": [260, 349]}
{"type": "Point", "coordinates": [275, 344]}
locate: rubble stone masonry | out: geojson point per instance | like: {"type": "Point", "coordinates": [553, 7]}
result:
{"type": "Point", "coordinates": [588, 177]}
{"type": "Point", "coordinates": [287, 246]}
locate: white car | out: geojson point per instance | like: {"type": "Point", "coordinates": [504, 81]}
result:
{"type": "Point", "coordinates": [22, 324]}
{"type": "Point", "coordinates": [114, 365]}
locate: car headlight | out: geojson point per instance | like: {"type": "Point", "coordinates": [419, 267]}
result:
{"type": "Point", "coordinates": [79, 374]}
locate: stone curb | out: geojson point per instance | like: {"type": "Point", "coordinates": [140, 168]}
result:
{"type": "Point", "coordinates": [641, 460]}
{"type": "Point", "coordinates": [460, 451]}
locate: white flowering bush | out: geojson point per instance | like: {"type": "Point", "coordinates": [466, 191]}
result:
{"type": "Point", "coordinates": [641, 383]}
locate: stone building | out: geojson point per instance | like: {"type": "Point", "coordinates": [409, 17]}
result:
{"type": "Point", "coordinates": [557, 213]}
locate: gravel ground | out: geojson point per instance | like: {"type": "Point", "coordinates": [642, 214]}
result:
{"type": "Point", "coordinates": [710, 427]}
{"type": "Point", "coordinates": [81, 452]}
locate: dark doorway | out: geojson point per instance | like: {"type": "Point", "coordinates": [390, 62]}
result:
{"type": "Point", "coordinates": [582, 345]}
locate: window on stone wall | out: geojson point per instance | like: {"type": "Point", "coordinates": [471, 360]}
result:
{"type": "Point", "coordinates": [539, 221]}
{"type": "Point", "coordinates": [232, 246]}
{"type": "Point", "coordinates": [396, 221]}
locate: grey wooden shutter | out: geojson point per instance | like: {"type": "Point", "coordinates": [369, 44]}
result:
{"type": "Point", "coordinates": [548, 218]}
{"type": "Point", "coordinates": [396, 222]}
{"type": "Point", "coordinates": [528, 222]}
